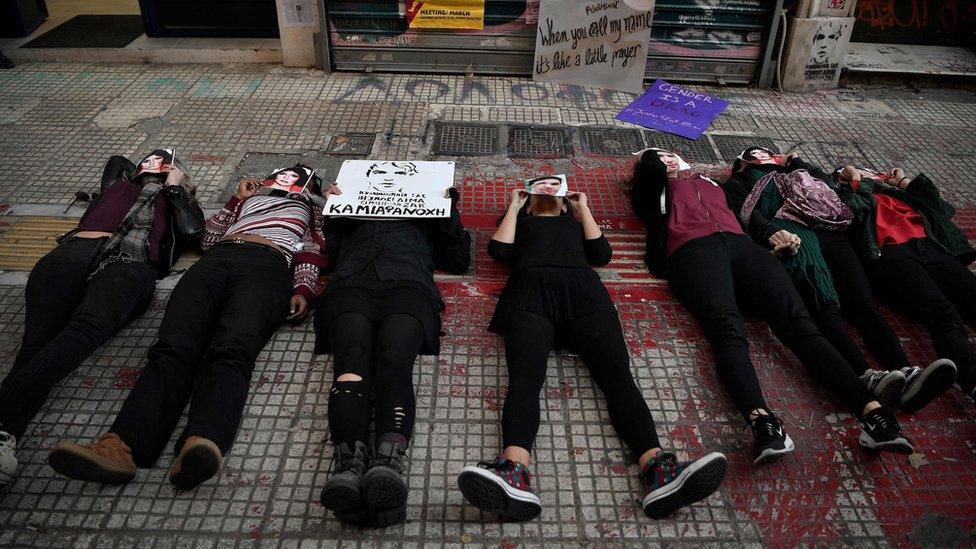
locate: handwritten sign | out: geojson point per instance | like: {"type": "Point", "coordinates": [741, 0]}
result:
{"type": "Point", "coordinates": [392, 189]}
{"type": "Point", "coordinates": [446, 14]}
{"type": "Point", "coordinates": [601, 44]}
{"type": "Point", "coordinates": [673, 109]}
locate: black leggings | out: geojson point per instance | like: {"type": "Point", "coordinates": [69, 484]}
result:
{"type": "Point", "coordinates": [381, 353]}
{"type": "Point", "coordinates": [712, 275]}
{"type": "Point", "coordinates": [935, 289]}
{"type": "Point", "coordinates": [857, 305]}
{"type": "Point", "coordinates": [599, 341]}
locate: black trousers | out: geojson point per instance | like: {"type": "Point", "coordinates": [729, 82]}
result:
{"type": "Point", "coordinates": [935, 289]}
{"type": "Point", "coordinates": [599, 341]}
{"type": "Point", "coordinates": [221, 314]}
{"type": "Point", "coordinates": [68, 318]}
{"type": "Point", "coordinates": [711, 276]}
{"type": "Point", "coordinates": [857, 304]}
{"type": "Point", "coordinates": [382, 354]}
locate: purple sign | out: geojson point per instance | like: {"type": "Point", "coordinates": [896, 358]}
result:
{"type": "Point", "coordinates": [673, 109]}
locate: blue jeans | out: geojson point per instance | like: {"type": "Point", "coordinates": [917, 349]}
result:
{"type": "Point", "coordinates": [68, 318]}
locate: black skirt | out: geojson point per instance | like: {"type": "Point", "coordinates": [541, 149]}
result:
{"type": "Point", "coordinates": [561, 294]}
{"type": "Point", "coordinates": [377, 304]}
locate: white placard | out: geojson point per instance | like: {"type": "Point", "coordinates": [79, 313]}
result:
{"type": "Point", "coordinates": [601, 44]}
{"type": "Point", "coordinates": [392, 189]}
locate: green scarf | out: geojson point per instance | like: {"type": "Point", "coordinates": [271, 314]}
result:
{"type": "Point", "coordinates": [807, 268]}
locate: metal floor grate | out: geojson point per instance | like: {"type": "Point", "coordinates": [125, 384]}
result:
{"type": "Point", "coordinates": [465, 139]}
{"type": "Point", "coordinates": [538, 142]}
{"type": "Point", "coordinates": [697, 151]}
{"type": "Point", "coordinates": [610, 141]}
{"type": "Point", "coordinates": [731, 145]}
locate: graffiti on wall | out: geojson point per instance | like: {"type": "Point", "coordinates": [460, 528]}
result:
{"type": "Point", "coordinates": [930, 22]}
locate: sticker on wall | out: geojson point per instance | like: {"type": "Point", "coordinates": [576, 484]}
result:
{"type": "Point", "coordinates": [446, 14]}
{"type": "Point", "coordinates": [817, 49]}
{"type": "Point", "coordinates": [297, 13]}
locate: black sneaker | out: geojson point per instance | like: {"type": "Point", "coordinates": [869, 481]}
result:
{"type": "Point", "coordinates": [384, 487]}
{"type": "Point", "coordinates": [502, 486]}
{"type": "Point", "coordinates": [924, 386]}
{"type": "Point", "coordinates": [672, 485]}
{"type": "Point", "coordinates": [886, 386]}
{"type": "Point", "coordinates": [343, 491]}
{"type": "Point", "coordinates": [882, 433]}
{"type": "Point", "coordinates": [771, 440]}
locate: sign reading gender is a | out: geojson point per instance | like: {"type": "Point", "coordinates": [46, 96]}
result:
{"type": "Point", "coordinates": [673, 109]}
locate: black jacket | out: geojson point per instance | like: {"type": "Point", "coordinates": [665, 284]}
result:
{"type": "Point", "coordinates": [649, 199]}
{"type": "Point", "coordinates": [402, 250]}
{"type": "Point", "coordinates": [185, 218]}
{"type": "Point", "coordinates": [738, 187]}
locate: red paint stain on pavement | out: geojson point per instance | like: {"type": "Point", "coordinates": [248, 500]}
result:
{"type": "Point", "coordinates": [126, 378]}
{"type": "Point", "coordinates": [256, 533]}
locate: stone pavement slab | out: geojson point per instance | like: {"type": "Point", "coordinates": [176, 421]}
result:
{"type": "Point", "coordinates": [59, 122]}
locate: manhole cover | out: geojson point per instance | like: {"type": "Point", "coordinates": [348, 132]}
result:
{"type": "Point", "coordinates": [731, 145]}
{"type": "Point", "coordinates": [698, 151]}
{"type": "Point", "coordinates": [465, 139]}
{"type": "Point", "coordinates": [352, 144]}
{"type": "Point", "coordinates": [530, 141]}
{"type": "Point", "coordinates": [610, 141]}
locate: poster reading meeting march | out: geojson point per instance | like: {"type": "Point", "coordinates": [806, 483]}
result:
{"type": "Point", "coordinates": [446, 14]}
{"type": "Point", "coordinates": [392, 189]}
{"type": "Point", "coordinates": [601, 44]}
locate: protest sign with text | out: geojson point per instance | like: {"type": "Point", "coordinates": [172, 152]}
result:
{"type": "Point", "coordinates": [600, 44]}
{"type": "Point", "coordinates": [392, 189]}
{"type": "Point", "coordinates": [673, 109]}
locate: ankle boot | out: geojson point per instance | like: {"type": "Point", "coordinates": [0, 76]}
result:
{"type": "Point", "coordinates": [108, 460]}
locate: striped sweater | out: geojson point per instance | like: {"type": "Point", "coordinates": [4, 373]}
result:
{"type": "Point", "coordinates": [291, 224]}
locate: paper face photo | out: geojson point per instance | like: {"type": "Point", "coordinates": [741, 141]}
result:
{"type": "Point", "coordinates": [158, 161]}
{"type": "Point", "coordinates": [291, 180]}
{"type": "Point", "coordinates": [392, 189]}
{"type": "Point", "coordinates": [550, 185]}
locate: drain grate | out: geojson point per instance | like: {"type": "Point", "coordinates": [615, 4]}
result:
{"type": "Point", "coordinates": [539, 142]}
{"type": "Point", "coordinates": [610, 141]}
{"type": "Point", "coordinates": [351, 144]}
{"type": "Point", "coordinates": [465, 139]}
{"type": "Point", "coordinates": [731, 145]}
{"type": "Point", "coordinates": [698, 151]}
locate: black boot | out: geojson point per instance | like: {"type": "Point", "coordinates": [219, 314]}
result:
{"type": "Point", "coordinates": [384, 486]}
{"type": "Point", "coordinates": [343, 493]}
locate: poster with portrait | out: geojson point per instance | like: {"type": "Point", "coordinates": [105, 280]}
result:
{"type": "Point", "coordinates": [290, 180]}
{"type": "Point", "coordinates": [549, 185]}
{"type": "Point", "coordinates": [392, 189]}
{"type": "Point", "coordinates": [158, 161]}
{"type": "Point", "coordinates": [815, 53]}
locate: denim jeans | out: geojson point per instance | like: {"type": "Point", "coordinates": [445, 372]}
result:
{"type": "Point", "coordinates": [68, 318]}
{"type": "Point", "coordinates": [218, 318]}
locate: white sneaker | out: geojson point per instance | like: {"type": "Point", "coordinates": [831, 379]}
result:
{"type": "Point", "coordinates": [8, 459]}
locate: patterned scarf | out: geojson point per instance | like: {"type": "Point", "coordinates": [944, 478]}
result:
{"type": "Point", "coordinates": [130, 242]}
{"type": "Point", "coordinates": [807, 268]}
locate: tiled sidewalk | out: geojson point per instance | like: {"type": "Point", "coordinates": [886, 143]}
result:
{"type": "Point", "coordinates": [59, 122]}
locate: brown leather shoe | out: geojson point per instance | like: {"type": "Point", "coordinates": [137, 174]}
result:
{"type": "Point", "coordinates": [107, 460]}
{"type": "Point", "coordinates": [199, 461]}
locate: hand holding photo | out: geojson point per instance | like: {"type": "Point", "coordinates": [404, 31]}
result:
{"type": "Point", "coordinates": [672, 162]}
{"type": "Point", "coordinates": [158, 161]}
{"type": "Point", "coordinates": [550, 185]}
{"type": "Point", "coordinates": [290, 180]}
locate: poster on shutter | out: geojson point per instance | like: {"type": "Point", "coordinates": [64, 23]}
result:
{"type": "Point", "coordinates": [392, 189]}
{"type": "Point", "coordinates": [297, 13]}
{"type": "Point", "coordinates": [599, 44]}
{"type": "Point", "coordinates": [446, 14]}
{"type": "Point", "coordinates": [670, 108]}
